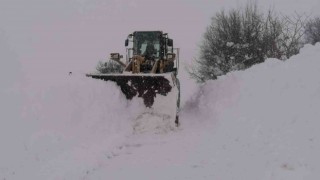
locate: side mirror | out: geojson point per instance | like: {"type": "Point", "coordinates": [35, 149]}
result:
{"type": "Point", "coordinates": [126, 42]}
{"type": "Point", "coordinates": [170, 42]}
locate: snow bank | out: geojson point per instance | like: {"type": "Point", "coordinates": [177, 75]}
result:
{"type": "Point", "coordinates": [263, 121]}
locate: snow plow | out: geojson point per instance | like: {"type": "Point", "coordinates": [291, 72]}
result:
{"type": "Point", "coordinates": [150, 69]}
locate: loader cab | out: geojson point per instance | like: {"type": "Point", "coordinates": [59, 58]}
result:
{"type": "Point", "coordinates": [146, 43]}
{"type": "Point", "coordinates": [153, 45]}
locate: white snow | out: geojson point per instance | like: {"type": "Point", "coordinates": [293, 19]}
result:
{"type": "Point", "coordinates": [262, 123]}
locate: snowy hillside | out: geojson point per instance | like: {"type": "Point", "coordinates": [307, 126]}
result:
{"type": "Point", "coordinates": [261, 123]}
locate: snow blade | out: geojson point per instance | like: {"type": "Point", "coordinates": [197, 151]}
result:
{"type": "Point", "coordinates": [144, 85]}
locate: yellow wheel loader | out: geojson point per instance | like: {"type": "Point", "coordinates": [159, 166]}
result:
{"type": "Point", "coordinates": [150, 69]}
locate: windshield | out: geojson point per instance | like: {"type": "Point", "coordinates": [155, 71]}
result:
{"type": "Point", "coordinates": [146, 44]}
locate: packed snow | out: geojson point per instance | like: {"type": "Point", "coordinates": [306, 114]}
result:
{"type": "Point", "coordinates": [261, 123]}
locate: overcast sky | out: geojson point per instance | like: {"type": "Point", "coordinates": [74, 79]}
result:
{"type": "Point", "coordinates": [58, 36]}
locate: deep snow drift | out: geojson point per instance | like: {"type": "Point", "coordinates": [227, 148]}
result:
{"type": "Point", "coordinates": [261, 123]}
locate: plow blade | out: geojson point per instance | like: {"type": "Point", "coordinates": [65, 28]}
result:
{"type": "Point", "coordinates": [146, 86]}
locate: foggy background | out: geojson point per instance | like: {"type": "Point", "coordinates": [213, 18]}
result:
{"type": "Point", "coordinates": [58, 36]}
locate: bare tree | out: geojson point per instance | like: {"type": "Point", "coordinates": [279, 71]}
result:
{"type": "Point", "coordinates": [292, 34]}
{"type": "Point", "coordinates": [312, 31]}
{"type": "Point", "coordinates": [233, 41]}
{"type": "Point", "coordinates": [240, 38]}
{"type": "Point", "coordinates": [271, 36]}
{"type": "Point", "coordinates": [109, 67]}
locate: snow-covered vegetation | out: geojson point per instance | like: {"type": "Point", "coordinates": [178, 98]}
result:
{"type": "Point", "coordinates": [313, 30]}
{"type": "Point", "coordinates": [109, 67]}
{"type": "Point", "coordinates": [242, 37]}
